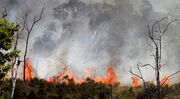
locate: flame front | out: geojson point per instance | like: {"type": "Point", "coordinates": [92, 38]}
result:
{"type": "Point", "coordinates": [28, 70]}
{"type": "Point", "coordinates": [135, 82]}
{"type": "Point", "coordinates": [88, 73]}
{"type": "Point", "coordinates": [64, 75]}
{"type": "Point", "coordinates": [165, 81]}
{"type": "Point", "coordinates": [110, 77]}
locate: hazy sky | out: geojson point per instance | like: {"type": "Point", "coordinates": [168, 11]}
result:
{"type": "Point", "coordinates": [97, 33]}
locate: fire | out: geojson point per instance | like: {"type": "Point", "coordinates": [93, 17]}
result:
{"type": "Point", "coordinates": [88, 72]}
{"type": "Point", "coordinates": [135, 81]}
{"type": "Point", "coordinates": [60, 74]}
{"type": "Point", "coordinates": [28, 70]}
{"type": "Point", "coordinates": [52, 80]}
{"type": "Point", "coordinates": [165, 81]}
{"type": "Point", "coordinates": [64, 75]}
{"type": "Point", "coordinates": [151, 82]}
{"type": "Point", "coordinates": [110, 77]}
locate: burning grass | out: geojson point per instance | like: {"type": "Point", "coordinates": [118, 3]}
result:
{"type": "Point", "coordinates": [89, 89]}
{"type": "Point", "coordinates": [67, 85]}
{"type": "Point", "coordinates": [110, 77]}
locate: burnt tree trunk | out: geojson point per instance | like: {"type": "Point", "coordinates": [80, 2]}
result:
{"type": "Point", "coordinates": [158, 74]}
{"type": "Point", "coordinates": [155, 34]}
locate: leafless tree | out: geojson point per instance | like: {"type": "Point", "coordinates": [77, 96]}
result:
{"type": "Point", "coordinates": [29, 29]}
{"type": "Point", "coordinates": [155, 34]}
{"type": "Point", "coordinates": [139, 75]}
{"type": "Point", "coordinates": [16, 61]}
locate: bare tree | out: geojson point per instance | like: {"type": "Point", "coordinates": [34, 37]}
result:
{"type": "Point", "coordinates": [29, 29]}
{"type": "Point", "coordinates": [139, 75]}
{"type": "Point", "coordinates": [16, 62]}
{"type": "Point", "coordinates": [155, 34]}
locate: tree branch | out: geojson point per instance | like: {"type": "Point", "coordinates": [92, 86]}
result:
{"type": "Point", "coordinates": [134, 74]}
{"type": "Point", "coordinates": [145, 65]}
{"type": "Point", "coordinates": [139, 76]}
{"type": "Point", "coordinates": [168, 26]}
{"type": "Point", "coordinates": [168, 78]}
{"type": "Point", "coordinates": [151, 36]}
{"type": "Point", "coordinates": [28, 35]}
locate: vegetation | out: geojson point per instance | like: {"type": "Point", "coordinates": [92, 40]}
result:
{"type": "Point", "coordinates": [7, 32]}
{"type": "Point", "coordinates": [42, 89]}
{"type": "Point", "coordinates": [155, 34]}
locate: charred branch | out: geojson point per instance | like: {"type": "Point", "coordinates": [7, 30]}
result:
{"type": "Point", "coordinates": [168, 77]}
{"type": "Point", "coordinates": [138, 75]}
{"type": "Point", "coordinates": [155, 33]}
{"type": "Point", "coordinates": [146, 65]}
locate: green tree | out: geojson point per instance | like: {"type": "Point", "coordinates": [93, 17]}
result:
{"type": "Point", "coordinates": [7, 36]}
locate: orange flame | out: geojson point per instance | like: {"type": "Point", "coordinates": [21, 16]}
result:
{"type": "Point", "coordinates": [151, 82]}
{"type": "Point", "coordinates": [110, 78]}
{"type": "Point", "coordinates": [135, 81]}
{"type": "Point", "coordinates": [28, 70]}
{"type": "Point", "coordinates": [88, 72]}
{"type": "Point", "coordinates": [165, 81]}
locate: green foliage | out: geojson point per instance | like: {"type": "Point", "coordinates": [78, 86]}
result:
{"type": "Point", "coordinates": [7, 35]}
{"type": "Point", "coordinates": [5, 95]}
{"type": "Point", "coordinates": [4, 89]}
{"type": "Point", "coordinates": [7, 30]}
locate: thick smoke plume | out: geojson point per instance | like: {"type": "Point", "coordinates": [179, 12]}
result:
{"type": "Point", "coordinates": [96, 34]}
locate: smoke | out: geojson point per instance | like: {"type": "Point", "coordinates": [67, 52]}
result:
{"type": "Point", "coordinates": [97, 33]}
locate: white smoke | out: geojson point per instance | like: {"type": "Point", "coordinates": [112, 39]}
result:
{"type": "Point", "coordinates": [97, 33]}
